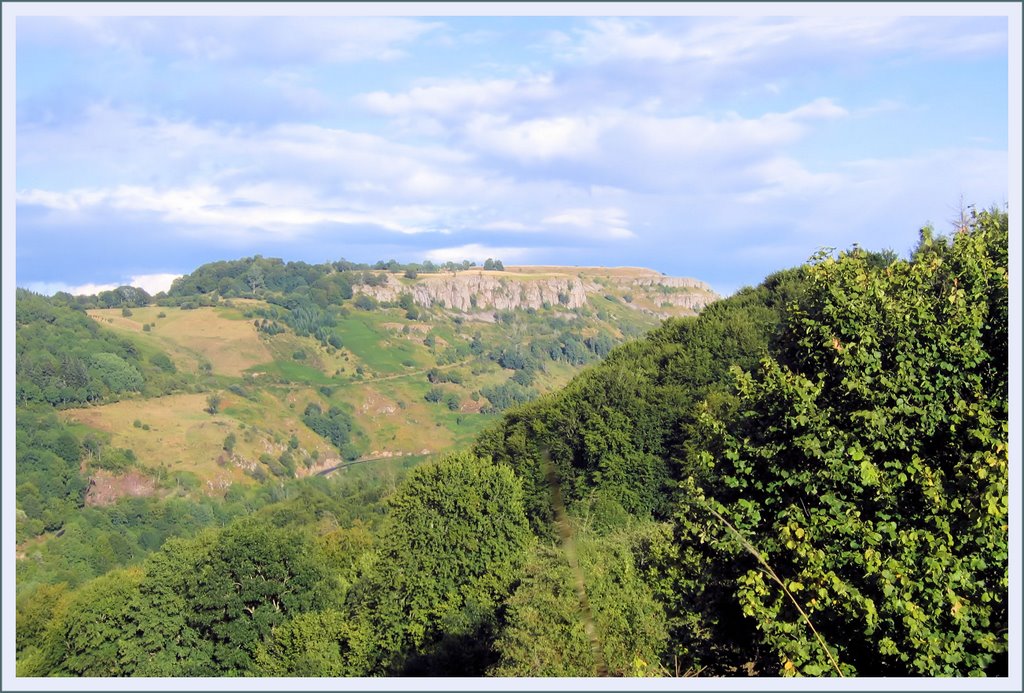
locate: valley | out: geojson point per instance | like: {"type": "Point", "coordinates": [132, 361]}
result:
{"type": "Point", "coordinates": [282, 469]}
{"type": "Point", "coordinates": [409, 368]}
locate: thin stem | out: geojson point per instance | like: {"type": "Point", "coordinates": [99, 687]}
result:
{"type": "Point", "coordinates": [774, 576]}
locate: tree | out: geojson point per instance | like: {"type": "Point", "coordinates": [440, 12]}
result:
{"type": "Point", "coordinates": [364, 302]}
{"type": "Point", "coordinates": [254, 278]}
{"type": "Point", "coordinates": [546, 633]}
{"type": "Point", "coordinates": [253, 578]}
{"type": "Point", "coordinates": [36, 609]}
{"type": "Point", "coordinates": [455, 539]}
{"type": "Point", "coordinates": [213, 402]}
{"type": "Point", "coordinates": [94, 634]}
{"type": "Point", "coordinates": [867, 464]}
{"type": "Point", "coordinates": [317, 643]}
{"type": "Point", "coordinates": [116, 373]}
{"type": "Point", "coordinates": [335, 426]}
{"type": "Point", "coordinates": [163, 362]}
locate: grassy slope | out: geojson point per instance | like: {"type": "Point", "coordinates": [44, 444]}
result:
{"type": "Point", "coordinates": [378, 376]}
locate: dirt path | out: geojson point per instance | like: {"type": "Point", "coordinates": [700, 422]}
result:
{"type": "Point", "coordinates": [361, 460]}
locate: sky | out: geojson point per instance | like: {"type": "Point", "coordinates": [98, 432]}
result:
{"type": "Point", "coordinates": [717, 147]}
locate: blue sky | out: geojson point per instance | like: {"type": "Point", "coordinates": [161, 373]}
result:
{"type": "Point", "coordinates": [717, 147]}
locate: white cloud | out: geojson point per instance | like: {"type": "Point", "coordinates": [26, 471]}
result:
{"type": "Point", "coordinates": [537, 139]}
{"type": "Point", "coordinates": [632, 150]}
{"type": "Point", "coordinates": [151, 283]}
{"type": "Point", "coordinates": [623, 39]}
{"type": "Point", "coordinates": [822, 108]}
{"type": "Point", "coordinates": [609, 222]}
{"type": "Point", "coordinates": [257, 40]}
{"type": "Point", "coordinates": [296, 88]}
{"type": "Point", "coordinates": [284, 181]}
{"type": "Point", "coordinates": [749, 40]}
{"type": "Point", "coordinates": [457, 97]}
{"type": "Point", "coordinates": [278, 180]}
{"type": "Point", "coordinates": [205, 207]}
{"type": "Point", "coordinates": [505, 225]}
{"type": "Point", "coordinates": [478, 253]}
{"type": "Point", "coordinates": [785, 178]}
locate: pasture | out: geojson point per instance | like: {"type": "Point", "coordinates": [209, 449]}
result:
{"type": "Point", "coordinates": [217, 336]}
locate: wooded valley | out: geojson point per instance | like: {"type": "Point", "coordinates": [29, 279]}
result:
{"type": "Point", "coordinates": [281, 469]}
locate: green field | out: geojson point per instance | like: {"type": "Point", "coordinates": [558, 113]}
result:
{"type": "Point", "coordinates": [378, 375]}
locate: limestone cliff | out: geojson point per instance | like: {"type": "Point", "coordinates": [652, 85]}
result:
{"type": "Point", "coordinates": [524, 288]}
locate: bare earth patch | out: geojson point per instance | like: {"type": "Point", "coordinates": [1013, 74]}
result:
{"type": "Point", "coordinates": [106, 488]}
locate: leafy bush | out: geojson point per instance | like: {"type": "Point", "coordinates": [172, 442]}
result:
{"type": "Point", "coordinates": [868, 461]}
{"type": "Point", "coordinates": [510, 394]}
{"type": "Point", "coordinates": [335, 426]}
{"type": "Point", "coordinates": [116, 460]}
{"type": "Point", "coordinates": [364, 302]}
{"type": "Point", "coordinates": [116, 373]}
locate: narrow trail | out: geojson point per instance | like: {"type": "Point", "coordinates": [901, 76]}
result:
{"type": "Point", "coordinates": [378, 379]}
{"type": "Point", "coordinates": [361, 460]}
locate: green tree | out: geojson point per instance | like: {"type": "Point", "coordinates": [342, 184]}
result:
{"type": "Point", "coordinates": [213, 402]}
{"type": "Point", "coordinates": [867, 465]}
{"type": "Point", "coordinates": [116, 373]}
{"type": "Point", "coordinates": [94, 634]}
{"type": "Point", "coordinates": [364, 302]}
{"type": "Point", "coordinates": [254, 578]}
{"type": "Point", "coordinates": [455, 539]}
{"type": "Point", "coordinates": [546, 633]}
{"type": "Point", "coordinates": [317, 643]}
{"type": "Point", "coordinates": [36, 609]}
{"type": "Point", "coordinates": [254, 278]}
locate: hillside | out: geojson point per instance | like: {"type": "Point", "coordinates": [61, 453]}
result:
{"type": "Point", "coordinates": [412, 364]}
{"type": "Point", "coordinates": [413, 383]}
{"type": "Point", "coordinates": [809, 478]}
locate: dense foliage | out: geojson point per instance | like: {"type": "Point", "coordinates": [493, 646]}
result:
{"type": "Point", "coordinates": [620, 429]}
{"type": "Point", "coordinates": [810, 478]}
{"type": "Point", "coordinates": [64, 358]}
{"type": "Point", "coordinates": [326, 283]}
{"type": "Point", "coordinates": [867, 463]}
{"type": "Point", "coordinates": [335, 425]}
{"type": "Point", "coordinates": [50, 486]}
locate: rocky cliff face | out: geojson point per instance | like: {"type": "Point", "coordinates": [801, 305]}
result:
{"type": "Point", "coordinates": [469, 291]}
{"type": "Point", "coordinates": [492, 291]}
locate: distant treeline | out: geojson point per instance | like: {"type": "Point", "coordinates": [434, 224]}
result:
{"type": "Point", "coordinates": [327, 282]}
{"type": "Point", "coordinates": [64, 358]}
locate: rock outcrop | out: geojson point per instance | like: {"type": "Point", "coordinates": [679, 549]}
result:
{"type": "Point", "coordinates": [472, 291]}
{"type": "Point", "coordinates": [468, 291]}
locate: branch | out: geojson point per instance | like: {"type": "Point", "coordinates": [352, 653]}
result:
{"type": "Point", "coordinates": [774, 576]}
